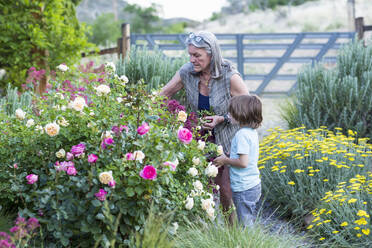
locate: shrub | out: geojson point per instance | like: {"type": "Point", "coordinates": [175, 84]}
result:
{"type": "Point", "coordinates": [299, 166]}
{"type": "Point", "coordinates": [153, 67]}
{"type": "Point", "coordinates": [12, 100]}
{"type": "Point", "coordinates": [338, 97]}
{"type": "Point", "coordinates": [344, 216]}
{"type": "Point", "coordinates": [95, 156]}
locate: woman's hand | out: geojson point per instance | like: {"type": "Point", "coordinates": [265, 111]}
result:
{"type": "Point", "coordinates": [212, 121]}
{"type": "Point", "coordinates": [220, 161]}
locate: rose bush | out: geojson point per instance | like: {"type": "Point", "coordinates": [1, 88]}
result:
{"type": "Point", "coordinates": [97, 155]}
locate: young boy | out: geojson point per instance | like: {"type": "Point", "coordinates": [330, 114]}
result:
{"type": "Point", "coordinates": [245, 110]}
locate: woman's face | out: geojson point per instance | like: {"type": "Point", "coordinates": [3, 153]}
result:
{"type": "Point", "coordinates": [199, 58]}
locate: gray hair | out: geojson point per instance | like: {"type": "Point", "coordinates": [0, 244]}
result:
{"type": "Point", "coordinates": [211, 46]}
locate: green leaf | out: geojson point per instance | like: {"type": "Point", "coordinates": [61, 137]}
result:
{"type": "Point", "coordinates": [129, 191]}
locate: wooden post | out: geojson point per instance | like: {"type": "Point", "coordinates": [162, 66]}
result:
{"type": "Point", "coordinates": [359, 27]}
{"type": "Point", "coordinates": [125, 41]}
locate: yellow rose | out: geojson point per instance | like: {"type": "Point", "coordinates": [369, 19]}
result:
{"type": "Point", "coordinates": [52, 129]}
{"type": "Point", "coordinates": [182, 116]}
{"type": "Point", "coordinates": [105, 177]}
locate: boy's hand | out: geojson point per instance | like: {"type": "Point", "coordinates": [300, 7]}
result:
{"type": "Point", "coordinates": [220, 161]}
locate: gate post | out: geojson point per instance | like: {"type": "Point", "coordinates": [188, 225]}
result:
{"type": "Point", "coordinates": [359, 27]}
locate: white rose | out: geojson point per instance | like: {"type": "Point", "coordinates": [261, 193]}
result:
{"type": "Point", "coordinates": [219, 150]}
{"type": "Point", "coordinates": [39, 129]}
{"type": "Point", "coordinates": [78, 104]}
{"type": "Point", "coordinates": [52, 129]}
{"type": "Point", "coordinates": [189, 203]}
{"type": "Point", "coordinates": [103, 90]}
{"type": "Point", "coordinates": [207, 203]}
{"type": "Point", "coordinates": [174, 228]}
{"type": "Point", "coordinates": [198, 185]}
{"type": "Point", "coordinates": [110, 67]}
{"type": "Point", "coordinates": [217, 187]}
{"type": "Point", "coordinates": [196, 161]}
{"type": "Point", "coordinates": [62, 67]}
{"type": "Point", "coordinates": [105, 177]}
{"type": "Point", "coordinates": [211, 170]}
{"type": "Point", "coordinates": [20, 114]}
{"type": "Point", "coordinates": [63, 108]}
{"type": "Point", "coordinates": [201, 145]}
{"type": "Point", "coordinates": [59, 95]}
{"type": "Point", "coordinates": [176, 162]}
{"type": "Point", "coordinates": [119, 99]}
{"type": "Point", "coordinates": [123, 79]}
{"type": "Point", "coordinates": [193, 171]}
{"type": "Point", "coordinates": [210, 213]}
{"type": "Point", "coordinates": [30, 123]}
{"type": "Point", "coordinates": [182, 116]}
{"type": "Point", "coordinates": [62, 122]}
{"type": "Point", "coordinates": [107, 135]}
{"type": "Point", "coordinates": [138, 155]}
{"type": "Point", "coordinates": [61, 153]}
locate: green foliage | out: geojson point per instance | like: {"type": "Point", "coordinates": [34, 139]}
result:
{"type": "Point", "coordinates": [155, 232]}
{"type": "Point", "coordinates": [143, 19]}
{"type": "Point", "coordinates": [226, 236]}
{"type": "Point", "coordinates": [104, 30]}
{"type": "Point", "coordinates": [39, 34]}
{"type": "Point", "coordinates": [338, 97]}
{"type": "Point", "coordinates": [298, 167]}
{"type": "Point", "coordinates": [12, 101]}
{"type": "Point", "coordinates": [67, 205]}
{"type": "Point", "coordinates": [151, 66]}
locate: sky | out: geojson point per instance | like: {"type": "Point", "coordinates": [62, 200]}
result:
{"type": "Point", "coordinates": [193, 9]}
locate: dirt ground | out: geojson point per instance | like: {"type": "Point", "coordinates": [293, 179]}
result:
{"type": "Point", "coordinates": [271, 114]}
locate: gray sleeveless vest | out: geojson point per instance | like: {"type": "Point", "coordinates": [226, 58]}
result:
{"type": "Point", "coordinates": [219, 96]}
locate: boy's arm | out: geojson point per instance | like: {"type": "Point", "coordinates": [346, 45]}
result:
{"type": "Point", "coordinates": [240, 162]}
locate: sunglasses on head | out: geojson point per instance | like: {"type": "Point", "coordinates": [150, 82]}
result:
{"type": "Point", "coordinates": [197, 39]}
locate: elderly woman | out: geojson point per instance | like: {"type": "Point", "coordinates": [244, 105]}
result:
{"type": "Point", "coordinates": [210, 82]}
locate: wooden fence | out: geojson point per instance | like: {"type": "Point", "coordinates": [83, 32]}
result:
{"type": "Point", "coordinates": [267, 62]}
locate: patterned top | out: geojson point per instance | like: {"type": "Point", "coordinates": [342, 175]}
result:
{"type": "Point", "coordinates": [219, 96]}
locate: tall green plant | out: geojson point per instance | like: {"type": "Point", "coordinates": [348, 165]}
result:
{"type": "Point", "coordinates": [150, 65]}
{"type": "Point", "coordinates": [40, 34]}
{"type": "Point", "coordinates": [338, 97]}
{"type": "Point", "coordinates": [13, 101]}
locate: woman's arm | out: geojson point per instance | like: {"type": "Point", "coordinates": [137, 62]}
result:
{"type": "Point", "coordinates": [237, 86]}
{"type": "Point", "coordinates": [173, 86]}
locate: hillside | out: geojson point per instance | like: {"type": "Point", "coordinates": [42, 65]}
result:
{"type": "Point", "coordinates": [322, 15]}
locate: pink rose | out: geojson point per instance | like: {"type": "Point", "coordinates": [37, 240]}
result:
{"type": "Point", "coordinates": [148, 172]}
{"type": "Point", "coordinates": [101, 195]}
{"type": "Point", "coordinates": [92, 158]}
{"type": "Point", "coordinates": [78, 150]}
{"type": "Point", "coordinates": [129, 156]}
{"type": "Point", "coordinates": [112, 184]}
{"type": "Point", "coordinates": [171, 165]}
{"type": "Point", "coordinates": [15, 166]}
{"type": "Point", "coordinates": [32, 178]}
{"type": "Point", "coordinates": [184, 135]}
{"type": "Point", "coordinates": [69, 156]}
{"type": "Point", "coordinates": [107, 141]}
{"type": "Point", "coordinates": [144, 128]}
{"type": "Point", "coordinates": [122, 127]}
{"type": "Point", "coordinates": [71, 171]}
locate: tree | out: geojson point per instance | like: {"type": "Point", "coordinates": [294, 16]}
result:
{"type": "Point", "coordinates": [39, 34]}
{"type": "Point", "coordinates": [143, 20]}
{"type": "Point", "coordinates": [104, 29]}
